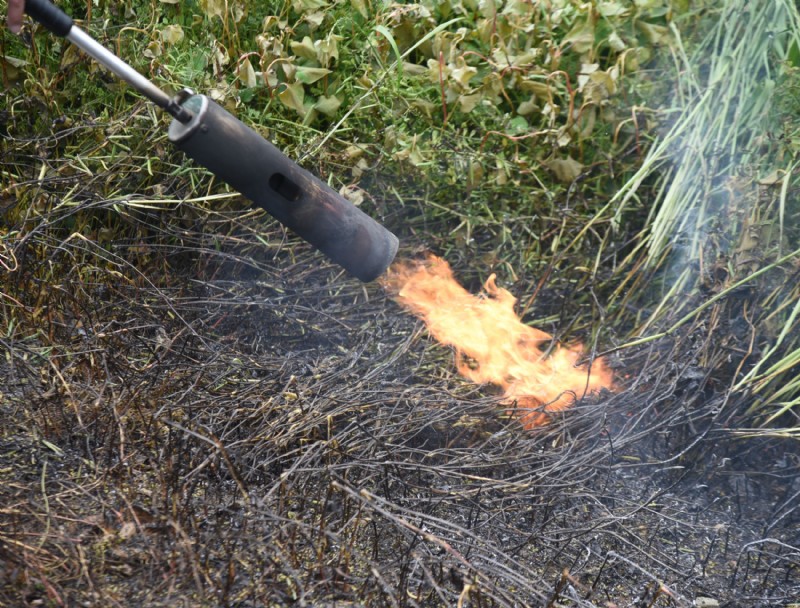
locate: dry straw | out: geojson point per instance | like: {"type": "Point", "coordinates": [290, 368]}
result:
{"type": "Point", "coordinates": [718, 223]}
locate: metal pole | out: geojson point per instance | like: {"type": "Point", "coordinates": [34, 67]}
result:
{"type": "Point", "coordinates": [125, 72]}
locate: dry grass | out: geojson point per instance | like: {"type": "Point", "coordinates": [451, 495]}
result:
{"type": "Point", "coordinates": [213, 439]}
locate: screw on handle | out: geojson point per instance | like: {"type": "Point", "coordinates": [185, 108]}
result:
{"type": "Point", "coordinates": [50, 16]}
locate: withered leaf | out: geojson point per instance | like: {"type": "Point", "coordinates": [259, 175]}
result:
{"type": "Point", "coordinates": [566, 170]}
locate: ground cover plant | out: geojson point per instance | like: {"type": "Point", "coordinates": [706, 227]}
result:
{"type": "Point", "coordinates": [198, 410]}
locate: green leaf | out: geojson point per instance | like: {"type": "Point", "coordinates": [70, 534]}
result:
{"type": "Point", "coordinates": [424, 106]}
{"type": "Point", "coordinates": [153, 50]}
{"type": "Point", "coordinates": [213, 8]}
{"type": "Point", "coordinates": [463, 74]}
{"type": "Point", "coordinates": [384, 31]}
{"type": "Point", "coordinates": [172, 34]}
{"type": "Point", "coordinates": [467, 103]}
{"type": "Point", "coordinates": [246, 74]}
{"type": "Point", "coordinates": [354, 194]}
{"type": "Point", "coordinates": [292, 96]}
{"type": "Point", "coordinates": [566, 170]}
{"type": "Point", "coordinates": [309, 75]}
{"type": "Point", "coordinates": [581, 36]}
{"type": "Point", "coordinates": [303, 6]}
{"type": "Point", "coordinates": [328, 105]}
{"type": "Point", "coordinates": [304, 49]}
{"type": "Point", "coordinates": [774, 178]}
{"type": "Point", "coordinates": [13, 67]}
{"type": "Point", "coordinates": [655, 34]}
{"type": "Point", "coordinates": [314, 19]}
{"type": "Point", "coordinates": [542, 90]}
{"type": "Point", "coordinates": [615, 42]}
{"type": "Point", "coordinates": [611, 9]}
{"type": "Point", "coordinates": [518, 125]}
{"type": "Point", "coordinates": [527, 107]}
{"type": "Point", "coordinates": [328, 50]}
{"type": "Point", "coordinates": [361, 7]}
{"type": "Point", "coordinates": [475, 174]}
{"type": "Point", "coordinates": [289, 69]}
{"type": "Point", "coordinates": [794, 54]}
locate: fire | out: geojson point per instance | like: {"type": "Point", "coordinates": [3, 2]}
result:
{"type": "Point", "coordinates": [492, 345]}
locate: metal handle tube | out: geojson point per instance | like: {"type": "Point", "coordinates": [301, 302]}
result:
{"type": "Point", "coordinates": [58, 22]}
{"type": "Point", "coordinates": [125, 72]}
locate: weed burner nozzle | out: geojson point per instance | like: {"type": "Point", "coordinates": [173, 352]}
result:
{"type": "Point", "coordinates": [238, 155]}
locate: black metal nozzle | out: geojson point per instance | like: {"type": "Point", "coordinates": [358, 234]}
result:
{"type": "Point", "coordinates": [244, 159]}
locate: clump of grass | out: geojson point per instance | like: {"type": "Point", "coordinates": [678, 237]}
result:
{"type": "Point", "coordinates": [722, 235]}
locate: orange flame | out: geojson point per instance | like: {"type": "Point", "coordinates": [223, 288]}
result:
{"type": "Point", "coordinates": [492, 345]}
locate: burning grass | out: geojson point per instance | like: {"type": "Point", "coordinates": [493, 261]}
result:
{"type": "Point", "coordinates": [492, 345]}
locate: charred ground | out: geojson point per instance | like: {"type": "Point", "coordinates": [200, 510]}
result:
{"type": "Point", "coordinates": [297, 439]}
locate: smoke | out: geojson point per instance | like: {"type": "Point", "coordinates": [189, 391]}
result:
{"type": "Point", "coordinates": [723, 98]}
